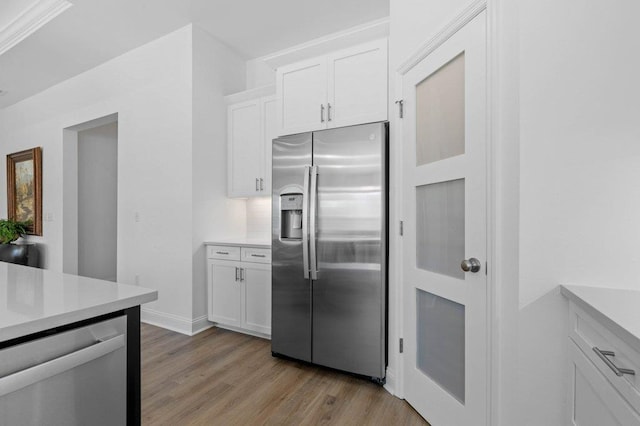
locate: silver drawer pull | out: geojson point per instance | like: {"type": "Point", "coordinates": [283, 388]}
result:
{"type": "Point", "coordinates": [222, 252]}
{"type": "Point", "coordinates": [258, 255]}
{"type": "Point", "coordinates": [603, 356]}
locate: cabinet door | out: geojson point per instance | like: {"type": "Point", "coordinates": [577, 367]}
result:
{"type": "Point", "coordinates": [257, 298]}
{"type": "Point", "coordinates": [593, 400]}
{"type": "Point", "coordinates": [268, 105]}
{"type": "Point", "coordinates": [224, 293]}
{"type": "Point", "coordinates": [302, 96]}
{"type": "Point", "coordinates": [245, 148]}
{"type": "Point", "coordinates": [357, 88]}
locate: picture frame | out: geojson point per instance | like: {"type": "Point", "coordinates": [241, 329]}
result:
{"type": "Point", "coordinates": [24, 188]}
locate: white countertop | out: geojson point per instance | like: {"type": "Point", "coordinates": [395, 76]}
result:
{"type": "Point", "coordinates": [617, 309]}
{"type": "Point", "coordinates": [33, 300]}
{"type": "Point", "coordinates": [240, 241]}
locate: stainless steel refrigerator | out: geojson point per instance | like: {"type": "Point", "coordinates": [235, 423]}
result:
{"type": "Point", "coordinates": [329, 248]}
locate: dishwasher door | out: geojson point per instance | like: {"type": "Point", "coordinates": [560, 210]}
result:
{"type": "Point", "coordinates": [76, 377]}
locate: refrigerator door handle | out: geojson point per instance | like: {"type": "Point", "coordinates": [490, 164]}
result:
{"type": "Point", "coordinates": [312, 219]}
{"type": "Point", "coordinates": [305, 222]}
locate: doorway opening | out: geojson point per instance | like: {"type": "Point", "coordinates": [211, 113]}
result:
{"type": "Point", "coordinates": [90, 198]}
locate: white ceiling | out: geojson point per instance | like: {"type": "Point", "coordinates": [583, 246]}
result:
{"type": "Point", "coordinates": [93, 31]}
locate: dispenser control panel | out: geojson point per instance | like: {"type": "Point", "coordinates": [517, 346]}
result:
{"type": "Point", "coordinates": [291, 202]}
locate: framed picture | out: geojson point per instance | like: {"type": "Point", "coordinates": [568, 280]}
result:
{"type": "Point", "coordinates": [24, 188]}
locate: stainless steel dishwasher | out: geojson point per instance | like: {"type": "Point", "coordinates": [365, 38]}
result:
{"type": "Point", "coordinates": [75, 377]}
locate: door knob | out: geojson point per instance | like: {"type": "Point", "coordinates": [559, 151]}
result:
{"type": "Point", "coordinates": [470, 265]}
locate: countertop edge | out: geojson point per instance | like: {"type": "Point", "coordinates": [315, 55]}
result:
{"type": "Point", "coordinates": [237, 244]}
{"type": "Point", "coordinates": [42, 324]}
{"type": "Point", "coordinates": [614, 326]}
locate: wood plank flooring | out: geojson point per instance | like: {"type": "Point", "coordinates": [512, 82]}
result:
{"type": "Point", "coordinates": [219, 377]}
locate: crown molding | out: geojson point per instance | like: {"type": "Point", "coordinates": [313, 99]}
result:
{"type": "Point", "coordinates": [350, 37]}
{"type": "Point", "coordinates": [29, 21]}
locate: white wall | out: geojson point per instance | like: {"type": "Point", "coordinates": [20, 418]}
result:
{"type": "Point", "coordinates": [98, 202]}
{"type": "Point", "coordinates": [259, 218]}
{"type": "Point", "coordinates": [259, 74]}
{"type": "Point", "coordinates": [217, 71]}
{"type": "Point", "coordinates": [151, 90]}
{"type": "Point", "coordinates": [580, 157]}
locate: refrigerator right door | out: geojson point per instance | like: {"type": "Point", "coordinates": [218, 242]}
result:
{"type": "Point", "coordinates": [349, 294]}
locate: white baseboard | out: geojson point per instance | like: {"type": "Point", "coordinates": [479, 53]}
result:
{"type": "Point", "coordinates": [390, 384]}
{"type": "Point", "coordinates": [175, 323]}
{"type": "Point", "coordinates": [244, 331]}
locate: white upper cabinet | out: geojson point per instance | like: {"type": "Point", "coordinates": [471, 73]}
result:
{"type": "Point", "coordinates": [244, 147]}
{"type": "Point", "coordinates": [357, 90]}
{"type": "Point", "coordinates": [268, 106]}
{"type": "Point", "coordinates": [341, 89]}
{"type": "Point", "coordinates": [250, 129]}
{"type": "Point", "coordinates": [302, 89]}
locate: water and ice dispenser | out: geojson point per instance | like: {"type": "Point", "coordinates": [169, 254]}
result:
{"type": "Point", "coordinates": [291, 217]}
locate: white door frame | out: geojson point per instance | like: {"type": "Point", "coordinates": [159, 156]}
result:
{"type": "Point", "coordinates": [499, 330]}
{"type": "Point", "coordinates": [70, 191]}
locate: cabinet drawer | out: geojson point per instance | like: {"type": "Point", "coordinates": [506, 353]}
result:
{"type": "Point", "coordinates": [594, 402]}
{"type": "Point", "coordinates": [588, 334]}
{"type": "Point", "coordinates": [256, 255]}
{"type": "Point", "coordinates": [223, 252]}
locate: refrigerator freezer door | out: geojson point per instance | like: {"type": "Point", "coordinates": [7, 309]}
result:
{"type": "Point", "coordinates": [291, 291]}
{"type": "Point", "coordinates": [349, 296]}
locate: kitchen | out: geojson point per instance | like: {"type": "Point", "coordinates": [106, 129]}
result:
{"type": "Point", "coordinates": [562, 149]}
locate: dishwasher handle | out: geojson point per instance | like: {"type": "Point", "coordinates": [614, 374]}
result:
{"type": "Point", "coordinates": [40, 372]}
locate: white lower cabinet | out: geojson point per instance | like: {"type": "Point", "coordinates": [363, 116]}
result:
{"type": "Point", "coordinates": [602, 388]}
{"type": "Point", "coordinates": [257, 298]}
{"type": "Point", "coordinates": [224, 293]}
{"type": "Point", "coordinates": [594, 401]}
{"type": "Point", "coordinates": [239, 292]}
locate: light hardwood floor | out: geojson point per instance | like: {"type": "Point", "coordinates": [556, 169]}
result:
{"type": "Point", "coordinates": [219, 377]}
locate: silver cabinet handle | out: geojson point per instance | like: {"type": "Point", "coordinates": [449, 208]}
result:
{"type": "Point", "coordinates": [470, 265]}
{"type": "Point", "coordinates": [328, 112]}
{"type": "Point", "coordinates": [322, 113]}
{"type": "Point", "coordinates": [258, 255]}
{"type": "Point", "coordinates": [312, 223]}
{"type": "Point", "coordinates": [241, 274]}
{"type": "Point", "coordinates": [237, 279]}
{"type": "Point", "coordinates": [257, 183]}
{"type": "Point", "coordinates": [40, 372]}
{"type": "Point", "coordinates": [305, 222]}
{"type": "Point", "coordinates": [261, 184]}
{"type": "Point", "coordinates": [222, 252]}
{"type": "Point", "coordinates": [617, 370]}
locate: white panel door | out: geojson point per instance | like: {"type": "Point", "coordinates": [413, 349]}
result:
{"type": "Point", "coordinates": [302, 96]}
{"type": "Point", "coordinates": [245, 149]}
{"type": "Point", "coordinates": [257, 297]}
{"type": "Point", "coordinates": [445, 238]}
{"type": "Point", "coordinates": [269, 131]}
{"type": "Point", "coordinates": [358, 85]}
{"type": "Point", "coordinates": [225, 289]}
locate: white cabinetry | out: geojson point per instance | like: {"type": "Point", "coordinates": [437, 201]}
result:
{"type": "Point", "coordinates": [602, 390]}
{"type": "Point", "coordinates": [344, 88]}
{"type": "Point", "coordinates": [302, 96]}
{"type": "Point", "coordinates": [239, 288]}
{"type": "Point", "coordinates": [250, 129]}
